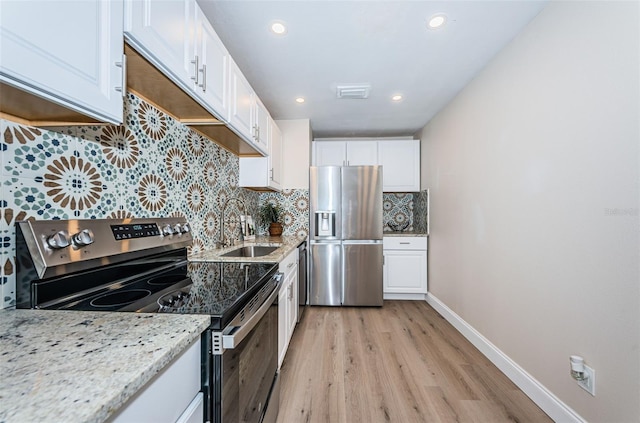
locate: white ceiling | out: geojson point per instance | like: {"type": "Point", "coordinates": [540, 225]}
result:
{"type": "Point", "coordinates": [383, 43]}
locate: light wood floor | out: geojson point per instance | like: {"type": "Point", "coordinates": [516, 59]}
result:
{"type": "Point", "coordinates": [399, 363]}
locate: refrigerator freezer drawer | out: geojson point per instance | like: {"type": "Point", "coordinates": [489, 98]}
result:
{"type": "Point", "coordinates": [362, 274]}
{"type": "Point", "coordinates": [325, 276]}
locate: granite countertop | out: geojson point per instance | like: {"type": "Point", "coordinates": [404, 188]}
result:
{"type": "Point", "coordinates": [405, 233]}
{"type": "Point", "coordinates": [75, 366]}
{"type": "Point", "coordinates": [286, 244]}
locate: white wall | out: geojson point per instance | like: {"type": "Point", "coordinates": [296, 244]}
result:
{"type": "Point", "coordinates": [535, 227]}
{"type": "Point", "coordinates": [296, 142]}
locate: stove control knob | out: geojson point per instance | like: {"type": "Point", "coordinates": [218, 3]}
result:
{"type": "Point", "coordinates": [84, 237]}
{"type": "Point", "coordinates": [59, 240]}
{"type": "Point", "coordinates": [185, 228]}
{"type": "Point", "coordinates": [177, 229]}
{"type": "Point", "coordinates": [167, 230]}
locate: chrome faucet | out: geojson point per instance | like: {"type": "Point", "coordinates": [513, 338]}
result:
{"type": "Point", "coordinates": [223, 242]}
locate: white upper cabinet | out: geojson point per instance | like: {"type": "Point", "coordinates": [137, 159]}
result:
{"type": "Point", "coordinates": [177, 38]}
{"type": "Point", "coordinates": [345, 153]}
{"type": "Point", "coordinates": [242, 102]}
{"type": "Point", "coordinates": [264, 172]}
{"type": "Point", "coordinates": [275, 155]}
{"type": "Point", "coordinates": [329, 153]}
{"type": "Point", "coordinates": [212, 63]}
{"type": "Point", "coordinates": [362, 153]}
{"type": "Point", "coordinates": [69, 53]}
{"type": "Point", "coordinates": [164, 32]}
{"type": "Point", "coordinates": [400, 160]}
{"type": "Point", "coordinates": [261, 125]}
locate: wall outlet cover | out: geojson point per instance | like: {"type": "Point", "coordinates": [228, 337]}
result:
{"type": "Point", "coordinates": [589, 382]}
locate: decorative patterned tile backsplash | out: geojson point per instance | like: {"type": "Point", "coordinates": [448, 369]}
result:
{"type": "Point", "coordinates": [296, 205]}
{"type": "Point", "coordinates": [420, 210]}
{"type": "Point", "coordinates": [397, 209]}
{"type": "Point", "coordinates": [149, 167]}
{"type": "Point", "coordinates": [405, 209]}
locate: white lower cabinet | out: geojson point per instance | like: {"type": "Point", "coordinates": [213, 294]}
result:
{"type": "Point", "coordinates": [174, 395]}
{"type": "Point", "coordinates": [287, 303]}
{"type": "Point", "coordinates": [405, 267]}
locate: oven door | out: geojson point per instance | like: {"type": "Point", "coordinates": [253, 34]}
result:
{"type": "Point", "coordinates": [245, 374]}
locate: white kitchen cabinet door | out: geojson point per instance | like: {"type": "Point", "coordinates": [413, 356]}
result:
{"type": "Point", "coordinates": [287, 303]}
{"type": "Point", "coordinates": [329, 153]}
{"type": "Point", "coordinates": [362, 153]}
{"type": "Point", "coordinates": [283, 311]}
{"type": "Point", "coordinates": [70, 53]}
{"type": "Point", "coordinates": [169, 394]}
{"type": "Point", "coordinates": [292, 310]}
{"type": "Point", "coordinates": [405, 272]}
{"type": "Point", "coordinates": [275, 155]}
{"type": "Point", "coordinates": [211, 85]}
{"type": "Point", "coordinates": [264, 172]}
{"type": "Point", "coordinates": [163, 31]}
{"type": "Point", "coordinates": [261, 125]}
{"type": "Point", "coordinates": [400, 160]}
{"type": "Point", "coordinates": [242, 102]}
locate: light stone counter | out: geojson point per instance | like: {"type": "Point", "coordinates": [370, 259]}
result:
{"type": "Point", "coordinates": [75, 366]}
{"type": "Point", "coordinates": [406, 233]}
{"type": "Point", "coordinates": [286, 244]}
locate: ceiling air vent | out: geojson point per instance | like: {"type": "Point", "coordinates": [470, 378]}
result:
{"type": "Point", "coordinates": [353, 91]}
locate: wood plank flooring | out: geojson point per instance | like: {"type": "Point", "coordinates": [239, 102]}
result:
{"type": "Point", "coordinates": [399, 363]}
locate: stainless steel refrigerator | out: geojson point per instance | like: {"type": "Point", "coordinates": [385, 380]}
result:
{"type": "Point", "coordinates": [345, 236]}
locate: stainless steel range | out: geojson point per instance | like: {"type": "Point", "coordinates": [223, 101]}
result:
{"type": "Point", "coordinates": [140, 265]}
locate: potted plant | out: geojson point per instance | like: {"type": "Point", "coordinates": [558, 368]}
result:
{"type": "Point", "coordinates": [270, 215]}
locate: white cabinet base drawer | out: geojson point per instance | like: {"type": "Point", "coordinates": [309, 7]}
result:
{"type": "Point", "coordinates": [404, 243]}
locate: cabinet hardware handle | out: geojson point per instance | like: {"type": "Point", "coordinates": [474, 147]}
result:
{"type": "Point", "coordinates": [204, 79]}
{"type": "Point", "coordinates": [290, 265]}
{"type": "Point", "coordinates": [405, 243]}
{"type": "Point", "coordinates": [123, 64]}
{"type": "Point", "coordinates": [195, 67]}
{"type": "Point", "coordinates": [272, 177]}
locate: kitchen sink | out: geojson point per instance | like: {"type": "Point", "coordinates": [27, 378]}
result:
{"type": "Point", "coordinates": [250, 251]}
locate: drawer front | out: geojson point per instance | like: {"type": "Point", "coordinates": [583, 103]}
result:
{"type": "Point", "coordinates": [404, 243]}
{"type": "Point", "coordinates": [289, 263]}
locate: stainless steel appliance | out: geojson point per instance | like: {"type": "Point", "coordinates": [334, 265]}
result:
{"type": "Point", "coordinates": [140, 265]}
{"type": "Point", "coordinates": [303, 288]}
{"type": "Point", "coordinates": [345, 236]}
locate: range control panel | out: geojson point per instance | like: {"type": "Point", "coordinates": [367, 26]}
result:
{"type": "Point", "coordinates": [63, 246]}
{"type": "Point", "coordinates": [130, 231]}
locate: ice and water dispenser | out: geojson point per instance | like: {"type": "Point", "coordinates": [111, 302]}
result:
{"type": "Point", "coordinates": [325, 223]}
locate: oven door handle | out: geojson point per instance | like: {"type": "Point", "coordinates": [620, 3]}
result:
{"type": "Point", "coordinates": [230, 341]}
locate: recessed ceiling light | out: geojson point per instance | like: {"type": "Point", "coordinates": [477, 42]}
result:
{"type": "Point", "coordinates": [436, 21]}
{"type": "Point", "coordinates": [396, 97]}
{"type": "Point", "coordinates": [300, 100]}
{"type": "Point", "coordinates": [278, 28]}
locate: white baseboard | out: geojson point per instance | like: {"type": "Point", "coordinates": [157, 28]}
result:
{"type": "Point", "coordinates": [394, 296]}
{"type": "Point", "coordinates": [545, 399]}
